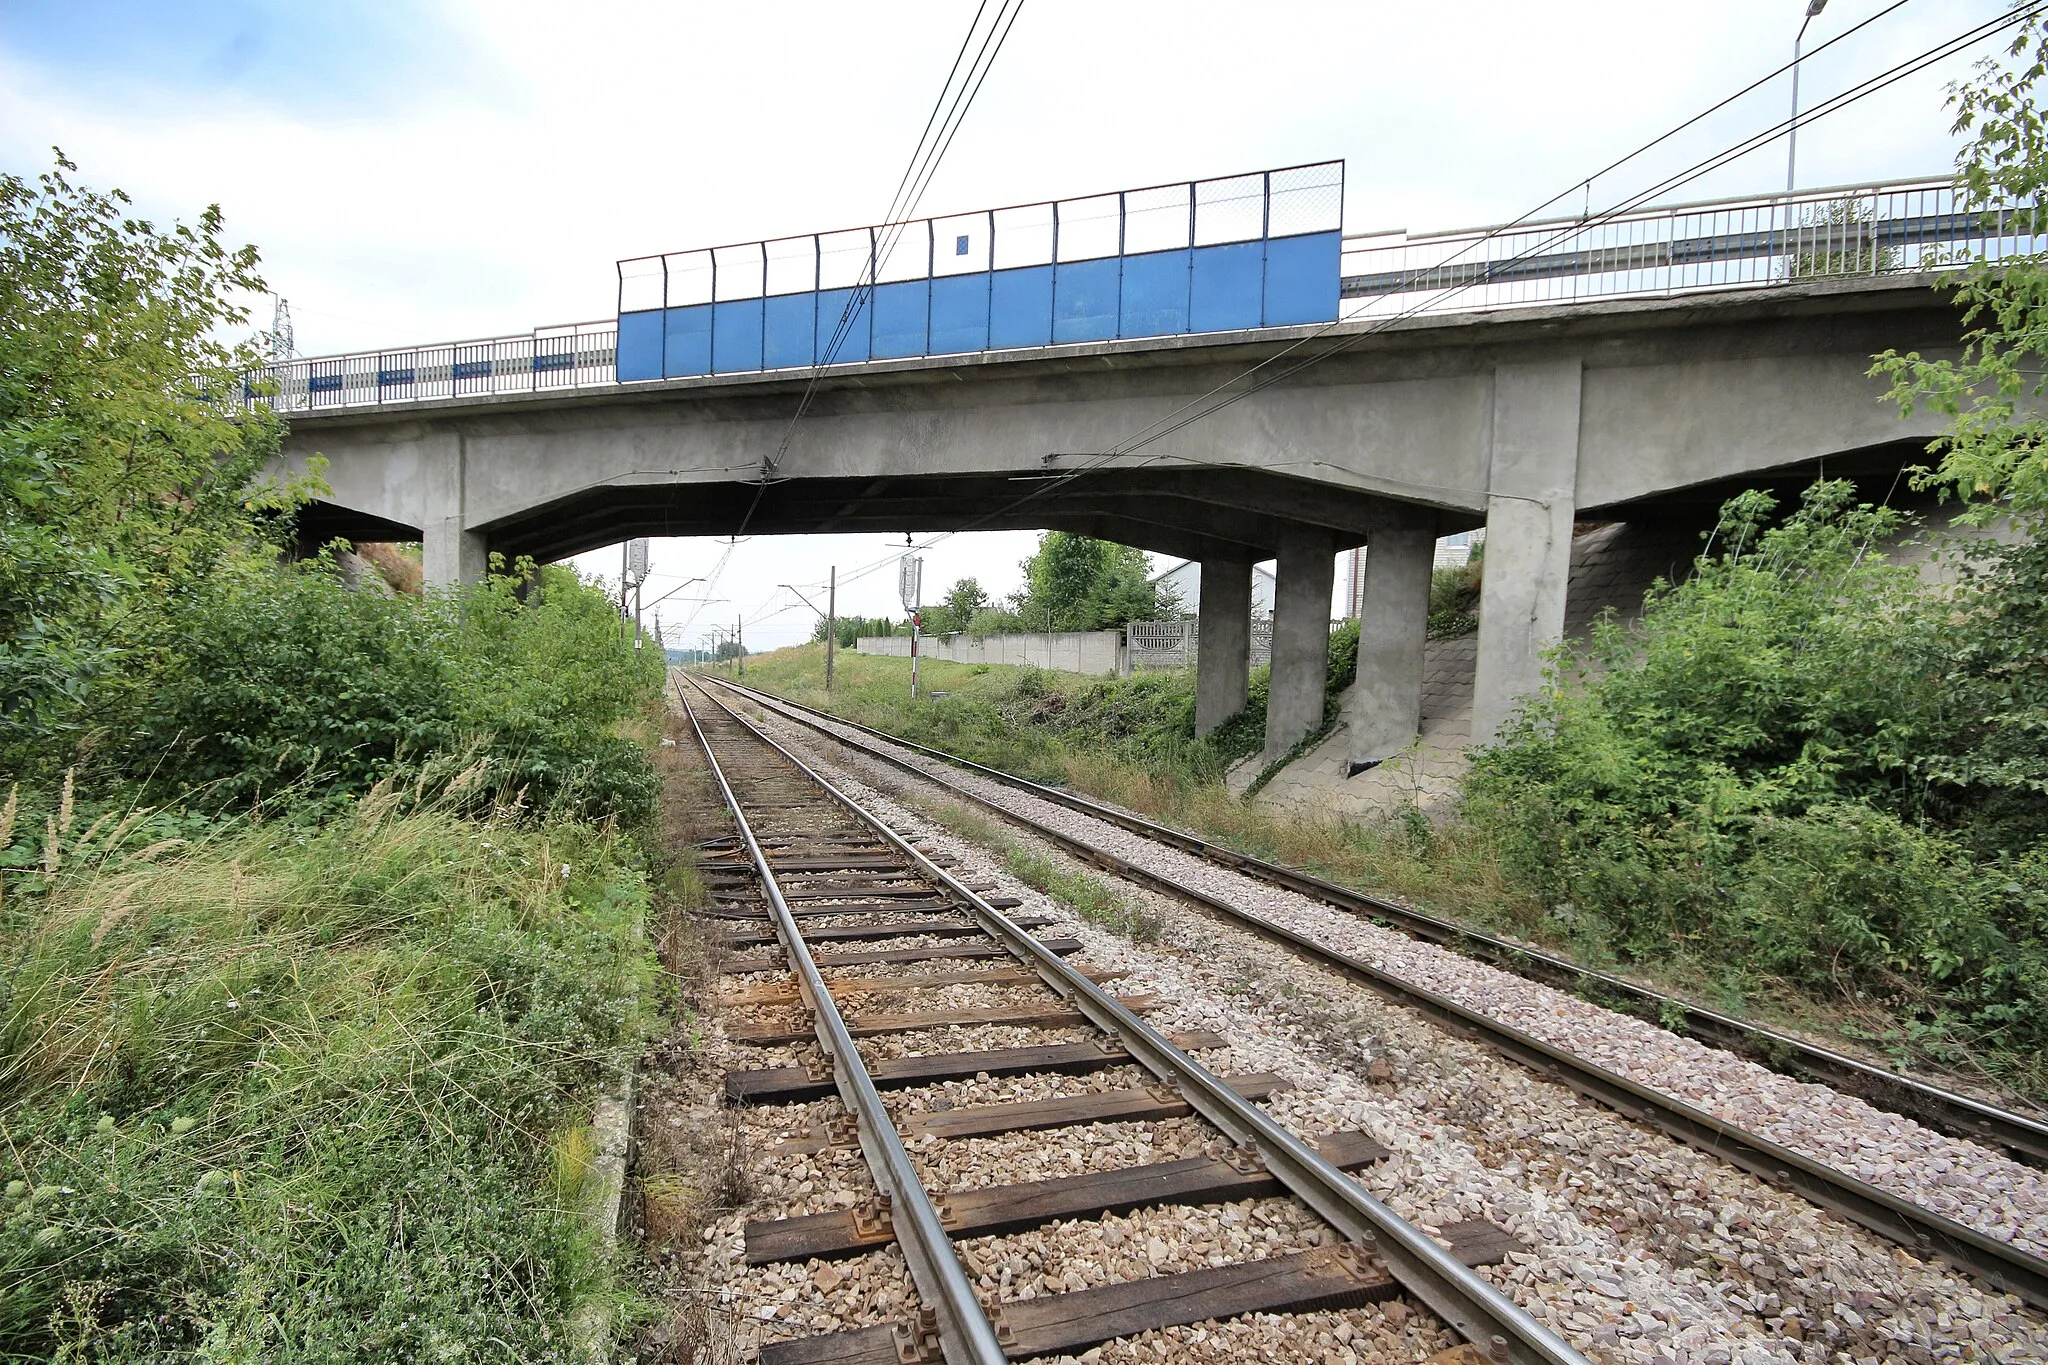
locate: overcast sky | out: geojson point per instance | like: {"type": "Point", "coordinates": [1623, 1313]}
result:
{"type": "Point", "coordinates": [451, 168]}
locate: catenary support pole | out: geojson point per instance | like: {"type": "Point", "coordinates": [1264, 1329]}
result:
{"type": "Point", "coordinates": [831, 622]}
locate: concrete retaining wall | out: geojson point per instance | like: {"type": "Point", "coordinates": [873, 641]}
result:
{"type": "Point", "coordinates": [1070, 651]}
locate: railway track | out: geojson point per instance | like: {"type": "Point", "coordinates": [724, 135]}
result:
{"type": "Point", "coordinates": [1921, 1230]}
{"type": "Point", "coordinates": [839, 928]}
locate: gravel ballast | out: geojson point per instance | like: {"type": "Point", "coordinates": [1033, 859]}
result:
{"type": "Point", "coordinates": [1640, 1249]}
{"type": "Point", "coordinates": [1982, 1188]}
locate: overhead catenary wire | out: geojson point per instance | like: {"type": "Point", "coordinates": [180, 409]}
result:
{"type": "Point", "coordinates": [917, 175]}
{"type": "Point", "coordinates": [1224, 397]}
{"type": "Point", "coordinates": [1146, 436]}
{"type": "Point", "coordinates": [1182, 417]}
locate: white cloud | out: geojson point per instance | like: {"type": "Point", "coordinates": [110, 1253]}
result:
{"type": "Point", "coordinates": [559, 140]}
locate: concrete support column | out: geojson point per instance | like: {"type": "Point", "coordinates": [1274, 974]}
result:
{"type": "Point", "coordinates": [1301, 637]}
{"type": "Point", "coordinates": [1384, 709]}
{"type": "Point", "coordinates": [450, 553]}
{"type": "Point", "coordinates": [1223, 642]}
{"type": "Point", "coordinates": [1530, 505]}
{"type": "Point", "coordinates": [450, 556]}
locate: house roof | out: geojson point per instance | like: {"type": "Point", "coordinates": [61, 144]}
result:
{"type": "Point", "coordinates": [1258, 570]}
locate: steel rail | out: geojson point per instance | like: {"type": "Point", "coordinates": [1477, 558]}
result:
{"type": "Point", "coordinates": [966, 1335]}
{"type": "Point", "coordinates": [1917, 1228]}
{"type": "Point", "coordinates": [1501, 1329]}
{"type": "Point", "coordinates": [1938, 1107]}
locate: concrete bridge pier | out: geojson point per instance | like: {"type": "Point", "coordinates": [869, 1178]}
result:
{"type": "Point", "coordinates": [450, 553]}
{"type": "Point", "coordinates": [1530, 506]}
{"type": "Point", "coordinates": [1223, 642]}
{"type": "Point", "coordinates": [1301, 636]}
{"type": "Point", "coordinates": [1384, 709]}
{"type": "Point", "coordinates": [450, 556]}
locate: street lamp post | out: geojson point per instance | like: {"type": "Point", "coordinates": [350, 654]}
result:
{"type": "Point", "coordinates": [1813, 7]}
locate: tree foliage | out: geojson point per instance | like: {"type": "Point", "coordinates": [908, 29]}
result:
{"type": "Point", "coordinates": [130, 468]}
{"type": "Point", "coordinates": [1795, 765]}
{"type": "Point", "coordinates": [1992, 454]}
{"type": "Point", "coordinates": [1075, 582]}
{"type": "Point", "coordinates": [957, 609]}
{"type": "Point", "coordinates": [851, 628]}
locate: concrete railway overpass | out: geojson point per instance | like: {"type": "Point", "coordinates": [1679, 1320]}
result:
{"type": "Point", "coordinates": [1520, 417]}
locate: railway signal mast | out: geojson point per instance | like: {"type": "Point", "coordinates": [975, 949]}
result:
{"type": "Point", "coordinates": [910, 584]}
{"type": "Point", "coordinates": [633, 577]}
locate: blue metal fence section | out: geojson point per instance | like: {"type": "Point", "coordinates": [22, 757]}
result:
{"type": "Point", "coordinates": [1259, 250]}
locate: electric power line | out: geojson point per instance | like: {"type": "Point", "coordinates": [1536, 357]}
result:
{"type": "Point", "coordinates": [1148, 435]}
{"type": "Point", "coordinates": [917, 175]}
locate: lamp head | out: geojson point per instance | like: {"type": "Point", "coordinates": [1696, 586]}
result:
{"type": "Point", "coordinates": [1814, 7]}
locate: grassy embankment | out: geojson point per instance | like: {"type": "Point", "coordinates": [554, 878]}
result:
{"type": "Point", "coordinates": [313, 1079]}
{"type": "Point", "coordinates": [315, 1092]}
{"type": "Point", "coordinates": [321, 910]}
{"type": "Point", "coordinates": [1932, 998]}
{"type": "Point", "coordinates": [1129, 742]}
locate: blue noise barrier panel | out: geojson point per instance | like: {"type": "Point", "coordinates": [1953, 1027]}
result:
{"type": "Point", "coordinates": [789, 331]}
{"type": "Point", "coordinates": [1034, 300]}
{"type": "Point", "coordinates": [1302, 282]}
{"type": "Point", "coordinates": [960, 313]}
{"type": "Point", "coordinates": [686, 341]}
{"type": "Point", "coordinates": [639, 346]}
{"type": "Point", "coordinates": [736, 335]}
{"type": "Point", "coordinates": [854, 338]}
{"type": "Point", "coordinates": [1084, 300]}
{"type": "Point", "coordinates": [1020, 307]}
{"type": "Point", "coordinates": [902, 318]}
{"type": "Point", "coordinates": [1155, 294]}
{"type": "Point", "coordinates": [1226, 287]}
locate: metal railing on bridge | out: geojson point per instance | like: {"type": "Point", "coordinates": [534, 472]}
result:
{"type": "Point", "coordinates": [571, 356]}
{"type": "Point", "coordinates": [1725, 244]}
{"type": "Point", "coordinates": [1854, 230]}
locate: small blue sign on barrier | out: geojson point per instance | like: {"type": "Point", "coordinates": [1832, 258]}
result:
{"type": "Point", "coordinates": [1242, 252]}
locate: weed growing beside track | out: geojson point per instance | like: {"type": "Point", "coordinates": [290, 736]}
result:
{"type": "Point", "coordinates": [315, 1092]}
{"type": "Point", "coordinates": [1089, 897]}
{"type": "Point", "coordinates": [322, 897]}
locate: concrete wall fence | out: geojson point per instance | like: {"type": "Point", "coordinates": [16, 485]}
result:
{"type": "Point", "coordinates": [1070, 651]}
{"type": "Point", "coordinates": [1150, 644]}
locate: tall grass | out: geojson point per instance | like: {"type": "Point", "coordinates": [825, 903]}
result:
{"type": "Point", "coordinates": [310, 1093]}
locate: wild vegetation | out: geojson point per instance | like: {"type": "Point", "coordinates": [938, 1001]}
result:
{"type": "Point", "coordinates": [1036, 721]}
{"type": "Point", "coordinates": [320, 909]}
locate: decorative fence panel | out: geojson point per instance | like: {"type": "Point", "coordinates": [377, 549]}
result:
{"type": "Point", "coordinates": [1173, 644]}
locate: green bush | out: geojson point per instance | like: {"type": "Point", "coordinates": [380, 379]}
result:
{"type": "Point", "coordinates": [1772, 773]}
{"type": "Point", "coordinates": [285, 680]}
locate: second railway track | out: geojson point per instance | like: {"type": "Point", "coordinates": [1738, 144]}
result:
{"type": "Point", "coordinates": [840, 929]}
{"type": "Point", "coordinates": [1926, 1233]}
